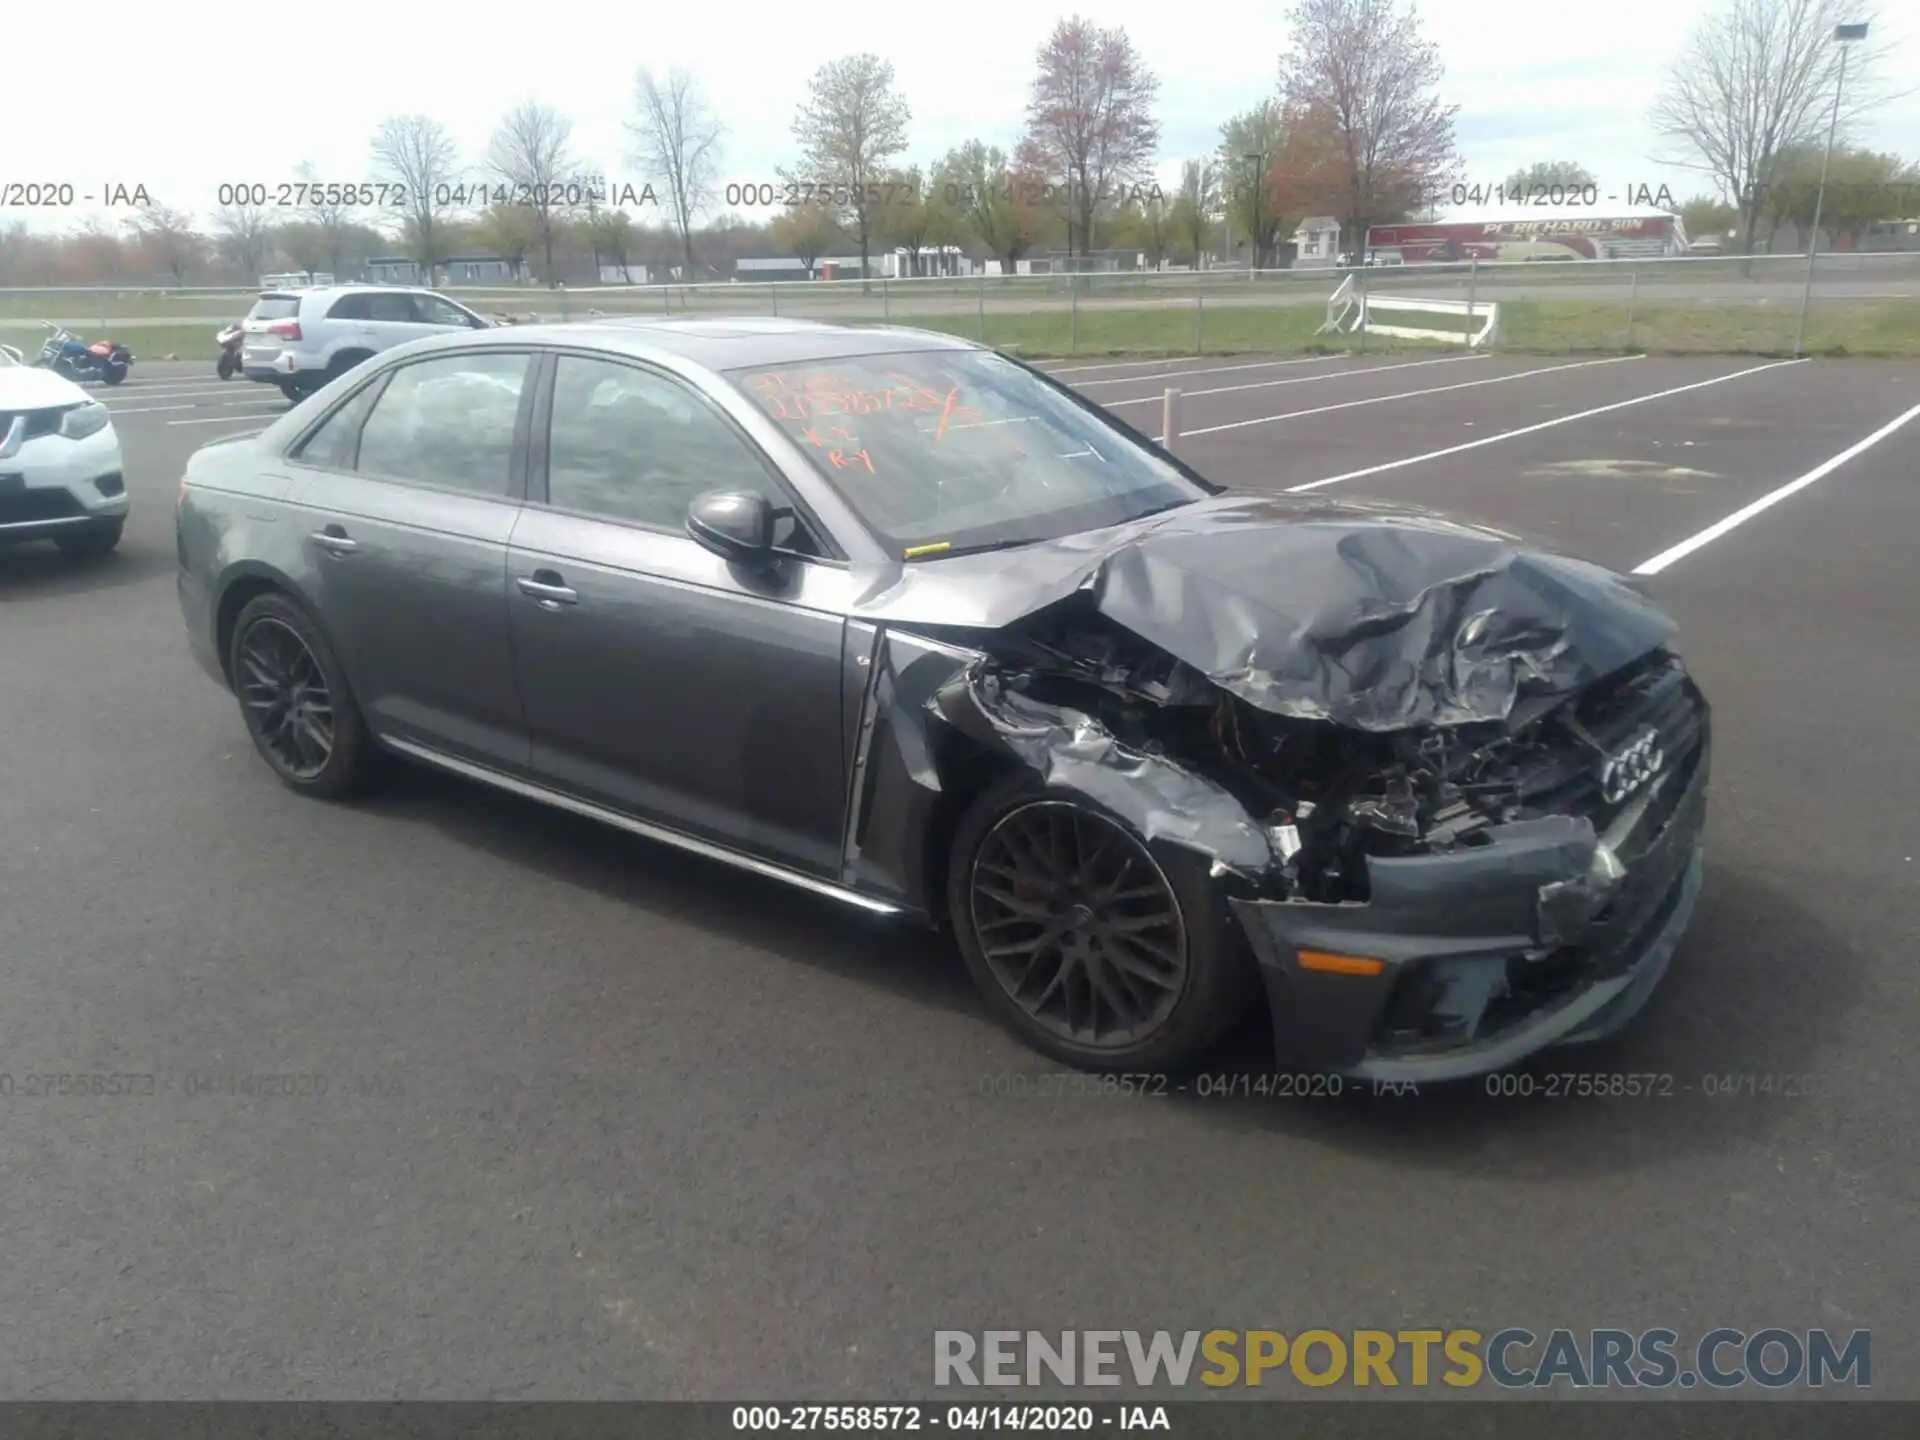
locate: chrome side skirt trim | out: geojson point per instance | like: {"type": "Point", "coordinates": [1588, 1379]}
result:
{"type": "Point", "coordinates": [50, 524]}
{"type": "Point", "coordinates": [559, 801]}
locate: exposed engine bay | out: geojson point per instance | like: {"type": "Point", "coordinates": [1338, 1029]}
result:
{"type": "Point", "coordinates": [1328, 795]}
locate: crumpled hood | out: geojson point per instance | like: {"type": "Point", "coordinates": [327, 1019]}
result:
{"type": "Point", "coordinates": [1371, 616]}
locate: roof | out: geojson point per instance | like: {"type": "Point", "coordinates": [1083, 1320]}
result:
{"type": "Point", "coordinates": [727, 342]}
{"type": "Point", "coordinates": [1515, 214]}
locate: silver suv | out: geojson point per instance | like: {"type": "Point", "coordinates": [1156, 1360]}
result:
{"type": "Point", "coordinates": [301, 339]}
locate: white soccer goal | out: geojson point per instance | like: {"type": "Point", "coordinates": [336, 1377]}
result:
{"type": "Point", "coordinates": [1350, 308]}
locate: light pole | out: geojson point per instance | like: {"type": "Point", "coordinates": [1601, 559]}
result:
{"type": "Point", "coordinates": [1256, 163]}
{"type": "Point", "coordinates": [1843, 36]}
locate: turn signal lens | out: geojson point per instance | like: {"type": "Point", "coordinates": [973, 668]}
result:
{"type": "Point", "coordinates": [1327, 963]}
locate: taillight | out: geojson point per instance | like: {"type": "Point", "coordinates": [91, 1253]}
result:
{"type": "Point", "coordinates": [285, 330]}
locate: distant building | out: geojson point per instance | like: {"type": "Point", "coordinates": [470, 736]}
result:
{"type": "Point", "coordinates": [1317, 241]}
{"type": "Point", "coordinates": [295, 280]}
{"type": "Point", "coordinates": [460, 269]}
{"type": "Point", "coordinates": [1885, 235]}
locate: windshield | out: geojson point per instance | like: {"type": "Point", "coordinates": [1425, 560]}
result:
{"type": "Point", "coordinates": [945, 451]}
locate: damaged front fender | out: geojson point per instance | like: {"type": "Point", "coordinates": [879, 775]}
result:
{"type": "Point", "coordinates": [935, 714]}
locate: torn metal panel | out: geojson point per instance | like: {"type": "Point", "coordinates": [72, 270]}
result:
{"type": "Point", "coordinates": [906, 757]}
{"type": "Point", "coordinates": [1162, 798]}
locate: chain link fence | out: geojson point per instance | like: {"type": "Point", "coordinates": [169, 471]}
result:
{"type": "Point", "coordinates": [1861, 304]}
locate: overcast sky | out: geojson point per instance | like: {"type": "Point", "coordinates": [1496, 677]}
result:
{"type": "Point", "coordinates": [180, 99]}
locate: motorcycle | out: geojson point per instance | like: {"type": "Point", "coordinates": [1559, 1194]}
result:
{"type": "Point", "coordinates": [230, 340]}
{"type": "Point", "coordinates": [67, 355]}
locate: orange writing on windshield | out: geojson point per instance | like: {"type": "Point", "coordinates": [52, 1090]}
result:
{"type": "Point", "coordinates": [822, 393]}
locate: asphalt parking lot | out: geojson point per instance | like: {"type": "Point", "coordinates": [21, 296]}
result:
{"type": "Point", "coordinates": [607, 1121]}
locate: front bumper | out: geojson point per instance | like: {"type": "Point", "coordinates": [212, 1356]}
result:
{"type": "Point", "coordinates": [269, 365]}
{"type": "Point", "coordinates": [1491, 953]}
{"type": "Point", "coordinates": [50, 486]}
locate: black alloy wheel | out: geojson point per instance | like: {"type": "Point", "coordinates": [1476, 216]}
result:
{"type": "Point", "coordinates": [288, 704]}
{"type": "Point", "coordinates": [1078, 924]}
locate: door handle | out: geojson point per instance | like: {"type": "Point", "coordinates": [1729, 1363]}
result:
{"type": "Point", "coordinates": [548, 588]}
{"type": "Point", "coordinates": [334, 540]}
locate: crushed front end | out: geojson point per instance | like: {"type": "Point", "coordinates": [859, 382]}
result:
{"type": "Point", "coordinates": [1449, 786]}
{"type": "Point", "coordinates": [1429, 903]}
{"type": "Point", "coordinates": [1487, 895]}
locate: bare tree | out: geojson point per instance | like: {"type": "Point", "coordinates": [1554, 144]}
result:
{"type": "Point", "coordinates": [1090, 118]}
{"type": "Point", "coordinates": [244, 236]}
{"type": "Point", "coordinates": [995, 198]}
{"type": "Point", "coordinates": [1538, 183]}
{"type": "Point", "coordinates": [329, 209]}
{"type": "Point", "coordinates": [510, 232]}
{"type": "Point", "coordinates": [416, 157]}
{"type": "Point", "coordinates": [1363, 70]}
{"type": "Point", "coordinates": [1249, 144]}
{"type": "Point", "coordinates": [168, 236]}
{"type": "Point", "coordinates": [677, 143]}
{"type": "Point", "coordinates": [1197, 205]}
{"type": "Point", "coordinates": [532, 153]}
{"type": "Point", "coordinates": [805, 232]}
{"type": "Point", "coordinates": [1754, 80]}
{"type": "Point", "coordinates": [852, 123]}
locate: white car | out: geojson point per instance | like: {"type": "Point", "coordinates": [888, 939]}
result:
{"type": "Point", "coordinates": [300, 340]}
{"type": "Point", "coordinates": [60, 470]}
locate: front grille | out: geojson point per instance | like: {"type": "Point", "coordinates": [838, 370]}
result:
{"type": "Point", "coordinates": [1564, 778]}
{"type": "Point", "coordinates": [24, 507]}
{"type": "Point", "coordinates": [44, 421]}
{"type": "Point", "coordinates": [1561, 776]}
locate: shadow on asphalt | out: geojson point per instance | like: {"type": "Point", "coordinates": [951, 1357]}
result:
{"type": "Point", "coordinates": [683, 888]}
{"type": "Point", "coordinates": [1714, 1019]}
{"type": "Point", "coordinates": [36, 570]}
{"type": "Point", "coordinates": [1715, 1026]}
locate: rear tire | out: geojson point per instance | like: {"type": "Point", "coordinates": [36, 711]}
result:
{"type": "Point", "coordinates": [93, 542]}
{"type": "Point", "coordinates": [226, 367]}
{"type": "Point", "coordinates": [1108, 958]}
{"type": "Point", "coordinates": [296, 702]}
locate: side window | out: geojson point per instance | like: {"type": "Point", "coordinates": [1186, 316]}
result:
{"type": "Point", "coordinates": [332, 446]}
{"type": "Point", "coordinates": [435, 311]}
{"type": "Point", "coordinates": [635, 446]}
{"type": "Point", "coordinates": [349, 307]}
{"type": "Point", "coordinates": [447, 422]}
{"type": "Point", "coordinates": [395, 306]}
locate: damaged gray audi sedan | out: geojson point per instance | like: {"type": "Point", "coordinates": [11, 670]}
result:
{"type": "Point", "coordinates": [902, 621]}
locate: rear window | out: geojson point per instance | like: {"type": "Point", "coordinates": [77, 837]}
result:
{"type": "Point", "coordinates": [275, 307]}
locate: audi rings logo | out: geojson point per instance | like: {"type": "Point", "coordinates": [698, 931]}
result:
{"type": "Point", "coordinates": [1631, 766]}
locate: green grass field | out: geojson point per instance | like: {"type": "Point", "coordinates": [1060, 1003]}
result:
{"type": "Point", "coordinates": [1879, 328]}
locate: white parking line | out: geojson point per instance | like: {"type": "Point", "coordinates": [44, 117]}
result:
{"type": "Point", "coordinates": [1543, 425]}
{"type": "Point", "coordinates": [1207, 370]}
{"type": "Point", "coordinates": [1295, 380]}
{"type": "Point", "coordinates": [147, 409]}
{"type": "Point", "coordinates": [1173, 360]}
{"type": "Point", "coordinates": [141, 397]}
{"type": "Point", "coordinates": [1401, 395]}
{"type": "Point", "coordinates": [227, 419]}
{"type": "Point", "coordinates": [1747, 512]}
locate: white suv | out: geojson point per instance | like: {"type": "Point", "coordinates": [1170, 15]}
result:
{"type": "Point", "coordinates": [301, 339]}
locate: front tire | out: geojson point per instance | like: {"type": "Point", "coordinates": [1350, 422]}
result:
{"type": "Point", "coordinates": [113, 374]}
{"type": "Point", "coordinates": [296, 702]}
{"type": "Point", "coordinates": [92, 542]}
{"type": "Point", "coordinates": [1083, 942]}
{"type": "Point", "coordinates": [226, 367]}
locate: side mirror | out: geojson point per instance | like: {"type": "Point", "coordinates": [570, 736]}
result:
{"type": "Point", "coordinates": [735, 525]}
